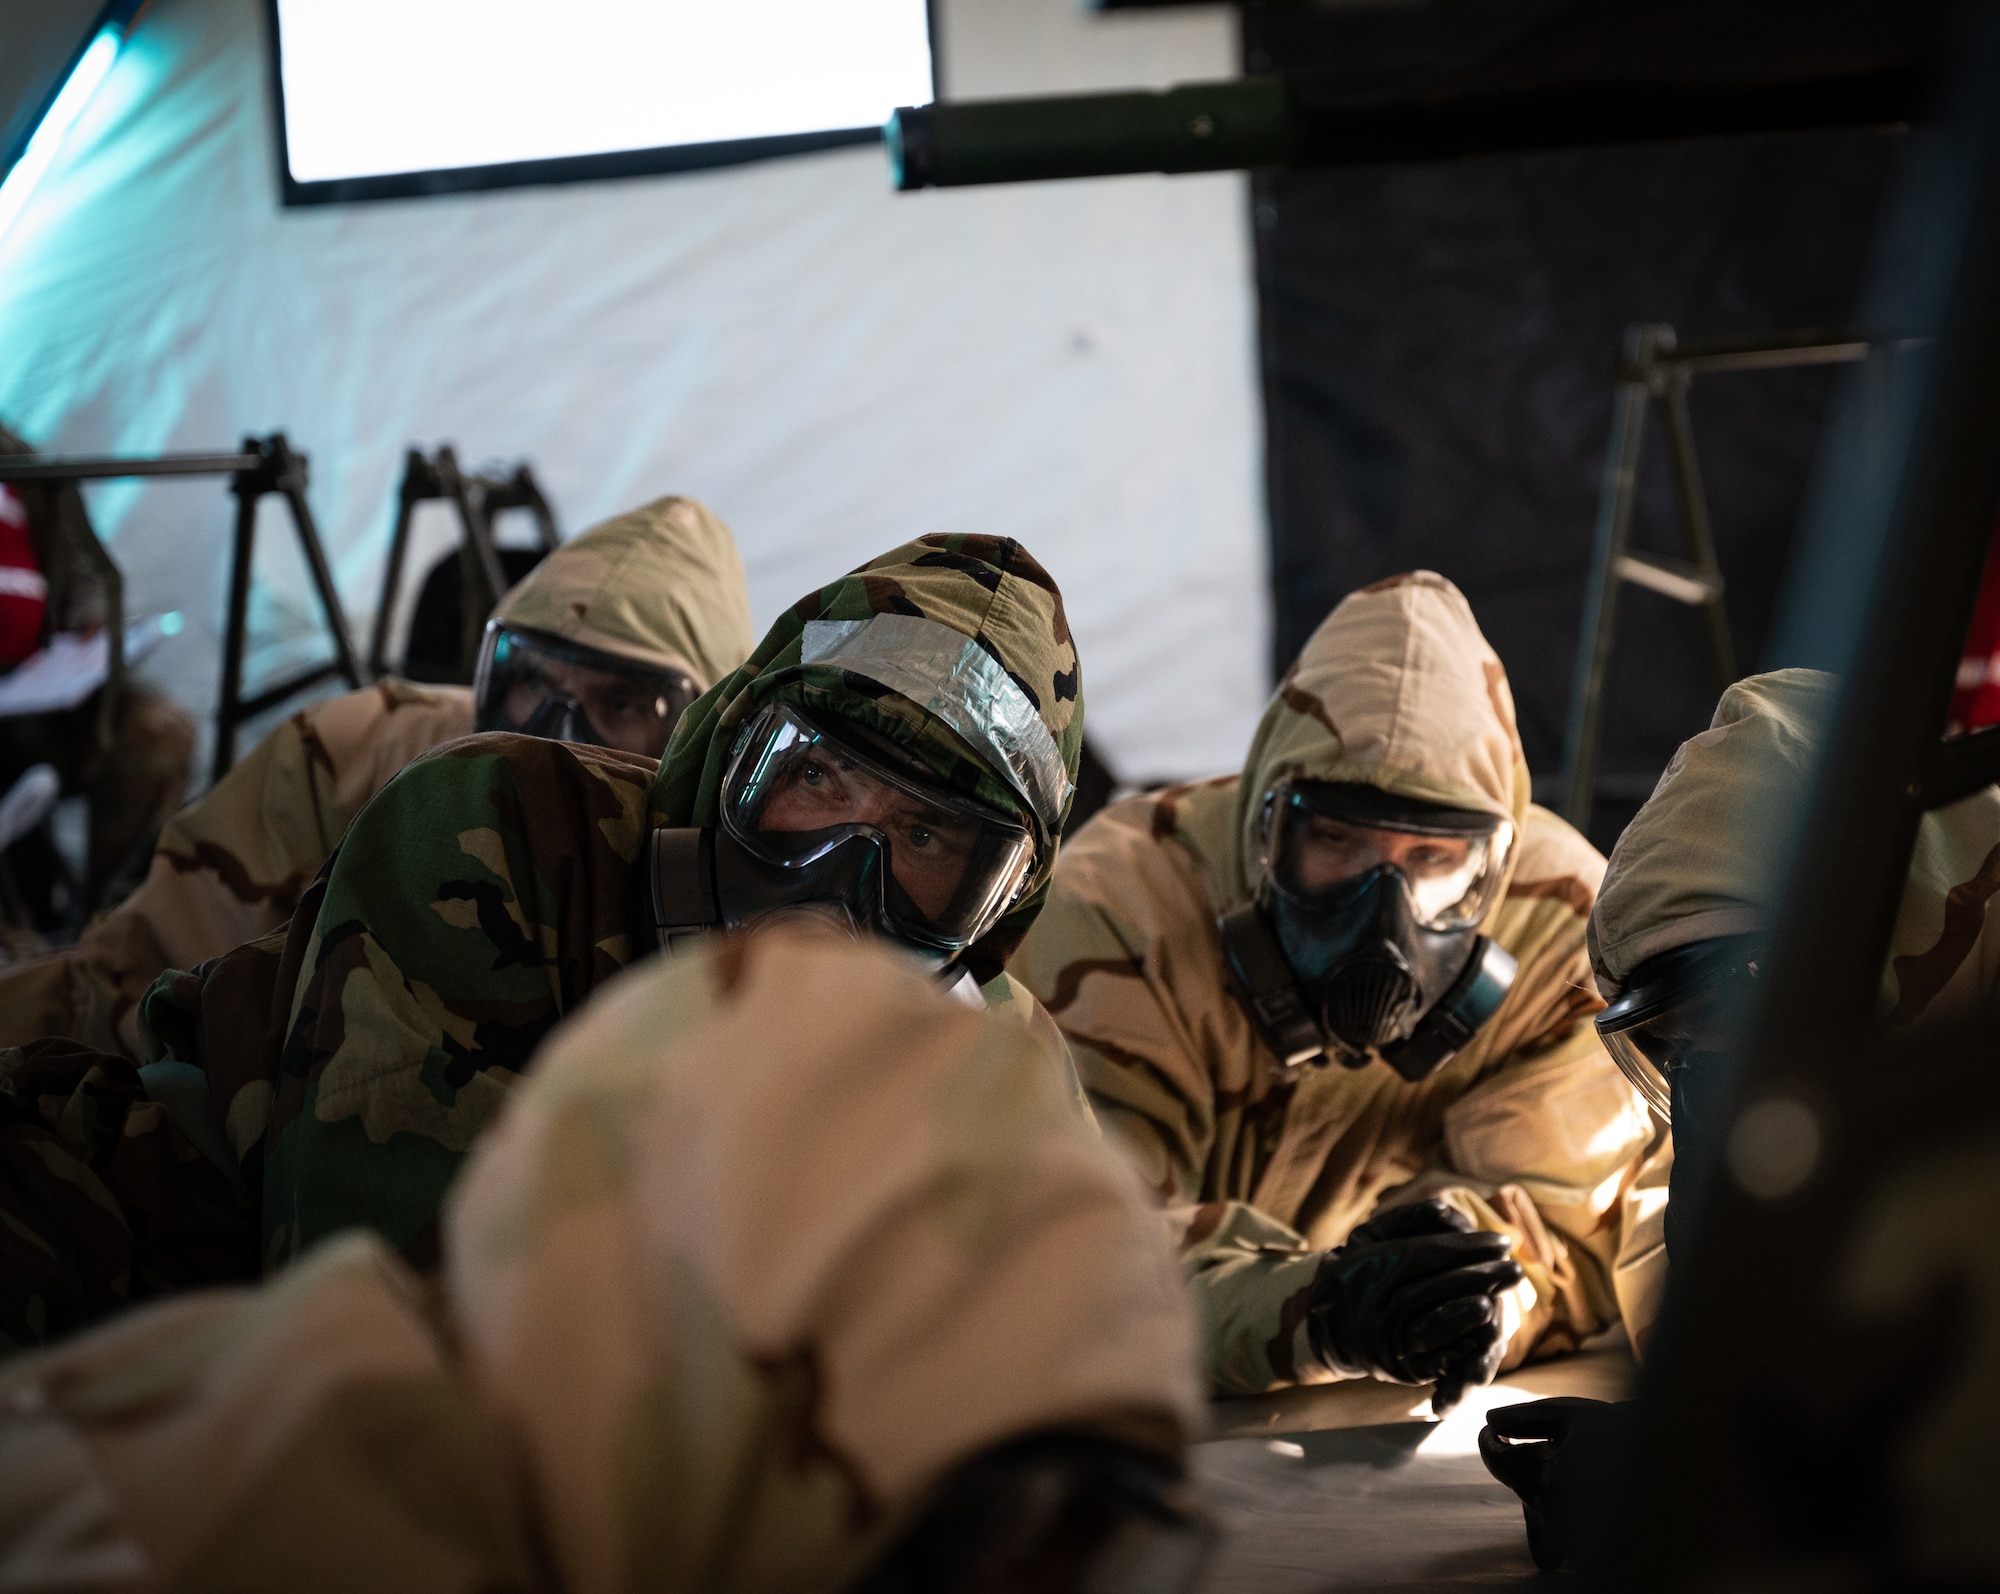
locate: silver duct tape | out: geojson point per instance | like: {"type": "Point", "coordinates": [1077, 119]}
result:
{"type": "Point", "coordinates": [948, 674]}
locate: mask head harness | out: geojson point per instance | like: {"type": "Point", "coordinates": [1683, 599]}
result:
{"type": "Point", "coordinates": [535, 684]}
{"type": "Point", "coordinates": [1683, 1003]}
{"type": "Point", "coordinates": [1363, 940]}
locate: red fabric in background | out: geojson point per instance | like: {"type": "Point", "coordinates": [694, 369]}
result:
{"type": "Point", "coordinates": [23, 590]}
{"type": "Point", "coordinates": [1976, 703]}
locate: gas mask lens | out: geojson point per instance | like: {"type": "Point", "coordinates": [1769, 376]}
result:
{"type": "Point", "coordinates": [1322, 835]}
{"type": "Point", "coordinates": [539, 685]}
{"type": "Point", "coordinates": [804, 798]}
{"type": "Point", "coordinates": [1686, 1001]}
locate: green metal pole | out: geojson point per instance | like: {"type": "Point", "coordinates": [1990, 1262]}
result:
{"type": "Point", "coordinates": [1196, 127]}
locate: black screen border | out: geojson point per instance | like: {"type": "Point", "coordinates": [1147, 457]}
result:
{"type": "Point", "coordinates": [609, 164]}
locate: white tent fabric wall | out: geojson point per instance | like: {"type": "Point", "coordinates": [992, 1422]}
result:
{"type": "Point", "coordinates": [832, 366]}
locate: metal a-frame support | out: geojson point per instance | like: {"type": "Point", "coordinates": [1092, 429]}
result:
{"type": "Point", "coordinates": [1656, 367]}
{"type": "Point", "coordinates": [273, 468]}
{"type": "Point", "coordinates": [478, 497]}
{"type": "Point", "coordinates": [262, 466]}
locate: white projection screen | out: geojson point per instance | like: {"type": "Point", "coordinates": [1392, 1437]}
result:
{"type": "Point", "coordinates": [393, 97]}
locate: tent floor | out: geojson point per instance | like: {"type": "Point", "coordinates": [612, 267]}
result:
{"type": "Point", "coordinates": [1354, 1486]}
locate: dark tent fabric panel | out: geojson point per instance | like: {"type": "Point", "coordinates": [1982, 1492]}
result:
{"type": "Point", "coordinates": [39, 43]}
{"type": "Point", "coordinates": [1438, 345]}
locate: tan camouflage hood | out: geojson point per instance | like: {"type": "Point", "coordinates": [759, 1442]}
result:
{"type": "Point", "coordinates": [1698, 860]}
{"type": "Point", "coordinates": [662, 584]}
{"type": "Point", "coordinates": [775, 1234]}
{"type": "Point", "coordinates": [1399, 689]}
{"type": "Point", "coordinates": [772, 1237]}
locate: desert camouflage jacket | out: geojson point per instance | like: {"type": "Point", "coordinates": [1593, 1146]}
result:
{"type": "Point", "coordinates": [774, 1237]}
{"type": "Point", "coordinates": [493, 885]}
{"type": "Point", "coordinates": [662, 584]}
{"type": "Point", "coordinates": [1530, 1130]}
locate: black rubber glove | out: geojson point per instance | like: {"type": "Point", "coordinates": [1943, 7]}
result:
{"type": "Point", "coordinates": [1413, 1297]}
{"type": "Point", "coordinates": [1556, 1455]}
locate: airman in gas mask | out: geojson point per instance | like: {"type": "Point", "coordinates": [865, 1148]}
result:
{"type": "Point", "coordinates": [1678, 941]}
{"type": "Point", "coordinates": [606, 641]}
{"type": "Point", "coordinates": [895, 759]}
{"type": "Point", "coordinates": [1340, 1006]}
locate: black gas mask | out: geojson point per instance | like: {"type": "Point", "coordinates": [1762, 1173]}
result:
{"type": "Point", "coordinates": [1364, 942]}
{"type": "Point", "coordinates": [821, 819]}
{"type": "Point", "coordinates": [539, 685]}
{"type": "Point", "coordinates": [1679, 1016]}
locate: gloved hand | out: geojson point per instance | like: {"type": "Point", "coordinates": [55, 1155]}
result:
{"type": "Point", "coordinates": [1413, 1297]}
{"type": "Point", "coordinates": [1557, 1456]}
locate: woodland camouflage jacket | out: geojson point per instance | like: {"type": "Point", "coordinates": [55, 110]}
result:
{"type": "Point", "coordinates": [493, 885]}
{"type": "Point", "coordinates": [1530, 1130]}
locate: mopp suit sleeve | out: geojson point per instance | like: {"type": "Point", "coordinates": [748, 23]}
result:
{"type": "Point", "coordinates": [475, 902]}
{"type": "Point", "coordinates": [232, 865]}
{"type": "Point", "coordinates": [1531, 1131]}
{"type": "Point", "coordinates": [773, 1237]}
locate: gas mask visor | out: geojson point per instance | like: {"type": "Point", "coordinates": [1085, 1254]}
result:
{"type": "Point", "coordinates": [538, 685]}
{"type": "Point", "coordinates": [1685, 1002]}
{"type": "Point", "coordinates": [1320, 836]}
{"type": "Point", "coordinates": [818, 801]}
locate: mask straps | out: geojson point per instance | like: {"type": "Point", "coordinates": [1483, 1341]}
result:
{"type": "Point", "coordinates": [1267, 989]}
{"type": "Point", "coordinates": [681, 873]}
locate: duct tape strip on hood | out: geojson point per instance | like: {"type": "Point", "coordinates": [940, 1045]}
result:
{"type": "Point", "coordinates": [948, 674]}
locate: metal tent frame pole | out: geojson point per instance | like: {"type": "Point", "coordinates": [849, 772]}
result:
{"type": "Point", "coordinates": [263, 466]}
{"type": "Point", "coordinates": [477, 497]}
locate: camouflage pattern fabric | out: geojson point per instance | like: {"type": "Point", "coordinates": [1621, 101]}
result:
{"type": "Point", "coordinates": [662, 584]}
{"type": "Point", "coordinates": [475, 903]}
{"type": "Point", "coordinates": [103, 1201]}
{"type": "Point", "coordinates": [773, 1238]}
{"type": "Point", "coordinates": [232, 865]}
{"type": "Point", "coordinates": [490, 887]}
{"type": "Point", "coordinates": [1530, 1131]}
{"type": "Point", "coordinates": [988, 588]}
{"type": "Point", "coordinates": [1699, 859]}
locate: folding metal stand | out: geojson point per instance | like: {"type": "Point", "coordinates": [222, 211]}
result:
{"type": "Point", "coordinates": [1656, 366]}
{"type": "Point", "coordinates": [262, 466]}
{"type": "Point", "coordinates": [478, 498]}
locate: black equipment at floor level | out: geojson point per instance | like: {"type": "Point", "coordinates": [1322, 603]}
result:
{"type": "Point", "coordinates": [1819, 1407]}
{"type": "Point", "coordinates": [262, 466]}
{"type": "Point", "coordinates": [1656, 366]}
{"type": "Point", "coordinates": [484, 570]}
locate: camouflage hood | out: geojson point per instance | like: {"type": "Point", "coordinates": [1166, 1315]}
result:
{"type": "Point", "coordinates": [662, 585]}
{"type": "Point", "coordinates": [955, 648]}
{"type": "Point", "coordinates": [1397, 689]}
{"type": "Point", "coordinates": [1696, 861]}
{"type": "Point", "coordinates": [1699, 859]}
